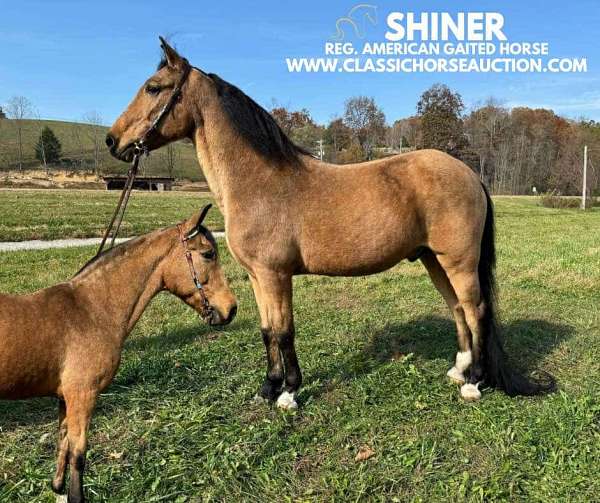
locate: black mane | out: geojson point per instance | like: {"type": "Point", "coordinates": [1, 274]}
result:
{"type": "Point", "coordinates": [256, 125]}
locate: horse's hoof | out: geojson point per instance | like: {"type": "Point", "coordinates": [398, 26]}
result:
{"type": "Point", "coordinates": [286, 401]}
{"type": "Point", "coordinates": [61, 498]}
{"type": "Point", "coordinates": [470, 392]}
{"type": "Point", "coordinates": [456, 376]}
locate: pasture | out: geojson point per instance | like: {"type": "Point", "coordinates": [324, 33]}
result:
{"type": "Point", "coordinates": [179, 422]}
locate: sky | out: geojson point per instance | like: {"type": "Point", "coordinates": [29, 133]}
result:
{"type": "Point", "coordinates": [71, 57]}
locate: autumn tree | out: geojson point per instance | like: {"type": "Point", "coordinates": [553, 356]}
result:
{"type": "Point", "coordinates": [440, 110]}
{"type": "Point", "coordinates": [366, 121]}
{"type": "Point", "coordinates": [299, 126]}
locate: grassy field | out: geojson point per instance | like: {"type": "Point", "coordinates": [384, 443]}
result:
{"type": "Point", "coordinates": [179, 423]}
{"type": "Point", "coordinates": [77, 145]}
{"type": "Point", "coordinates": [54, 214]}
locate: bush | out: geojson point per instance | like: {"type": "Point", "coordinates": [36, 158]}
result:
{"type": "Point", "coordinates": [553, 199]}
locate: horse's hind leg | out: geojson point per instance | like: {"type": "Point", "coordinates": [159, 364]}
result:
{"type": "Point", "coordinates": [58, 483]}
{"type": "Point", "coordinates": [440, 280]}
{"type": "Point", "coordinates": [465, 281]}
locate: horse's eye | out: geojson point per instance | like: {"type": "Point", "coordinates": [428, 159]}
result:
{"type": "Point", "coordinates": [153, 89]}
{"type": "Point", "coordinates": [209, 255]}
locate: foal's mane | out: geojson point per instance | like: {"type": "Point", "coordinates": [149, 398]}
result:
{"type": "Point", "coordinates": [254, 123]}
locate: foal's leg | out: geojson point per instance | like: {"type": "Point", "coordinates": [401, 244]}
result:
{"type": "Point", "coordinates": [466, 285]}
{"type": "Point", "coordinates": [273, 293]}
{"type": "Point", "coordinates": [79, 411]}
{"type": "Point", "coordinates": [58, 483]}
{"type": "Point", "coordinates": [440, 280]}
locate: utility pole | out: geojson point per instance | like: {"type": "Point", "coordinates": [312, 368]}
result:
{"type": "Point", "coordinates": [584, 195]}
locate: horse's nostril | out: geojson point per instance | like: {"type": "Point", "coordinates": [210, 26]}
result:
{"type": "Point", "coordinates": [110, 141]}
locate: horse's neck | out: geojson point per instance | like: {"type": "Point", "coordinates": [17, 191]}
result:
{"type": "Point", "coordinates": [122, 286]}
{"type": "Point", "coordinates": [233, 170]}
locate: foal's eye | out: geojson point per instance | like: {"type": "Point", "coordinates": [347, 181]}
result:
{"type": "Point", "coordinates": [209, 255]}
{"type": "Point", "coordinates": [153, 89]}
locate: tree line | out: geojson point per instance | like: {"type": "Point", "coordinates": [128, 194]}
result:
{"type": "Point", "coordinates": [515, 151]}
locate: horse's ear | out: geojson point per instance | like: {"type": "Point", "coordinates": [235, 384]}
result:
{"type": "Point", "coordinates": [203, 214]}
{"type": "Point", "coordinates": [195, 224]}
{"type": "Point", "coordinates": [174, 60]}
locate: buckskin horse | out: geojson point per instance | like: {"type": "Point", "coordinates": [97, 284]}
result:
{"type": "Point", "coordinates": [66, 340]}
{"type": "Point", "coordinates": [287, 213]}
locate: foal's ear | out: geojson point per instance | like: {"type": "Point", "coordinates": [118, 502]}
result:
{"type": "Point", "coordinates": [174, 60]}
{"type": "Point", "coordinates": [203, 214]}
{"type": "Point", "coordinates": [195, 229]}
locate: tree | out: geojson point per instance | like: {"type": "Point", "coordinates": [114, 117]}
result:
{"type": "Point", "coordinates": [299, 126]}
{"type": "Point", "coordinates": [366, 121]}
{"type": "Point", "coordinates": [440, 111]}
{"type": "Point", "coordinates": [2, 114]}
{"type": "Point", "coordinates": [171, 158]}
{"type": "Point", "coordinates": [19, 108]}
{"type": "Point", "coordinates": [339, 136]}
{"type": "Point", "coordinates": [96, 134]}
{"type": "Point", "coordinates": [48, 147]}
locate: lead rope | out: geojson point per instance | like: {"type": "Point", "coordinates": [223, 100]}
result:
{"type": "Point", "coordinates": [119, 212]}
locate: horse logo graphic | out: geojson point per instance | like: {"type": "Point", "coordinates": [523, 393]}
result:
{"type": "Point", "coordinates": [357, 18]}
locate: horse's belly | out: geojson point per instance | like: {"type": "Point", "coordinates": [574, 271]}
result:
{"type": "Point", "coordinates": [357, 260]}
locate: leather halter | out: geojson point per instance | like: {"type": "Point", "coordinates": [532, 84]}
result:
{"type": "Point", "coordinates": [140, 148]}
{"type": "Point", "coordinates": [206, 307]}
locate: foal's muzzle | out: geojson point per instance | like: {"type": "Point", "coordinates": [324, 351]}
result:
{"type": "Point", "coordinates": [217, 319]}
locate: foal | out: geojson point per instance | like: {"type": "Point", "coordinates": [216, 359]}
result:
{"type": "Point", "coordinates": [66, 340]}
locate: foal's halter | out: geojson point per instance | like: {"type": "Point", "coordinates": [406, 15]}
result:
{"type": "Point", "coordinates": [206, 307]}
{"type": "Point", "coordinates": [140, 148]}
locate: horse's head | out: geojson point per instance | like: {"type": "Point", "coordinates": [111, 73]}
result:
{"type": "Point", "coordinates": [192, 272]}
{"type": "Point", "coordinates": [136, 122]}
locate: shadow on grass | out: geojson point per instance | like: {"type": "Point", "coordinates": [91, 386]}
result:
{"type": "Point", "coordinates": [526, 341]}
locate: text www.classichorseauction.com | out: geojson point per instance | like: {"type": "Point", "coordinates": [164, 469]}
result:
{"type": "Point", "coordinates": [427, 42]}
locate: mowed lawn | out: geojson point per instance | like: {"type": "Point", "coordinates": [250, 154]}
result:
{"type": "Point", "coordinates": [179, 422]}
{"type": "Point", "coordinates": [55, 214]}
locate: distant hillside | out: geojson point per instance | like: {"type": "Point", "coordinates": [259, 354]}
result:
{"type": "Point", "coordinates": [78, 150]}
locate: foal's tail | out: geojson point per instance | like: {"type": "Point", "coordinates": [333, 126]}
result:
{"type": "Point", "coordinates": [497, 369]}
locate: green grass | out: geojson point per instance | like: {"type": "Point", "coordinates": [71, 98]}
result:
{"type": "Point", "coordinates": [77, 145]}
{"type": "Point", "coordinates": [179, 423]}
{"type": "Point", "coordinates": [55, 214]}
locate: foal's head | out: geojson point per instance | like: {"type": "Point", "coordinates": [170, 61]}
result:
{"type": "Point", "coordinates": [150, 100]}
{"type": "Point", "coordinates": [193, 273]}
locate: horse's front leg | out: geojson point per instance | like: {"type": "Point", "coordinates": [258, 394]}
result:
{"type": "Point", "coordinates": [273, 293]}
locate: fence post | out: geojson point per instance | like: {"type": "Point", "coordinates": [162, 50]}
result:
{"type": "Point", "coordinates": [584, 194]}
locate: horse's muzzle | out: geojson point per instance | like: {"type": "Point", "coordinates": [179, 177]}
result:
{"type": "Point", "coordinates": [217, 319]}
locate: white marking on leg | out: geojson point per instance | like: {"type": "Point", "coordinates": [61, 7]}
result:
{"type": "Point", "coordinates": [286, 401]}
{"type": "Point", "coordinates": [457, 373]}
{"type": "Point", "coordinates": [470, 392]}
{"type": "Point", "coordinates": [463, 360]}
{"type": "Point", "coordinates": [61, 498]}
{"type": "Point", "coordinates": [456, 376]}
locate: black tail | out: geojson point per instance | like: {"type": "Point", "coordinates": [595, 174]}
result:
{"type": "Point", "coordinates": [497, 369]}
